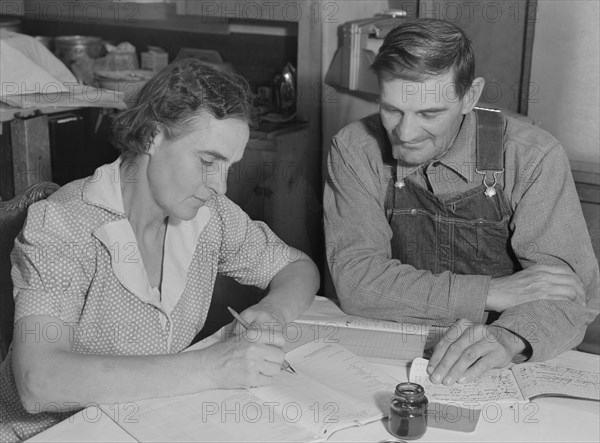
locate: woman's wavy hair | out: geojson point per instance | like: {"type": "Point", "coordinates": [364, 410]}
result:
{"type": "Point", "coordinates": [420, 49]}
{"type": "Point", "coordinates": [174, 97]}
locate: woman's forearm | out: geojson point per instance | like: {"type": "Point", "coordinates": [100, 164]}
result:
{"type": "Point", "coordinates": [292, 290]}
{"type": "Point", "coordinates": [49, 375]}
{"type": "Point", "coordinates": [59, 378]}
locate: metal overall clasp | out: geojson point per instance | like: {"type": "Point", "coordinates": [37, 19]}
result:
{"type": "Point", "coordinates": [489, 176]}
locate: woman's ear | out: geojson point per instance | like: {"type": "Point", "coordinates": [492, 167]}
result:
{"type": "Point", "coordinates": [155, 142]}
{"type": "Point", "coordinates": [471, 97]}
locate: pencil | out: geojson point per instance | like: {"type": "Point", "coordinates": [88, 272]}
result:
{"type": "Point", "coordinates": [285, 365]}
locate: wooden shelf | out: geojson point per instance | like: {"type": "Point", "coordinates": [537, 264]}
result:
{"type": "Point", "coordinates": [282, 10]}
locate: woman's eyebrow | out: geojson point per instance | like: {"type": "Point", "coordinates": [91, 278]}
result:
{"type": "Point", "coordinates": [215, 154]}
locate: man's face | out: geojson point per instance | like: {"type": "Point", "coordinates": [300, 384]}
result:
{"type": "Point", "coordinates": [421, 118]}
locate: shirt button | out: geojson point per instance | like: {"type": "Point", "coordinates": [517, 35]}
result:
{"type": "Point", "coordinates": [413, 212]}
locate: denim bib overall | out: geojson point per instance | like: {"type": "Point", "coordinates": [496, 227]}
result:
{"type": "Point", "coordinates": [464, 234]}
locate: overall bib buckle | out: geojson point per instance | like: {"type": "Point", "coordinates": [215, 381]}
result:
{"type": "Point", "coordinates": [490, 190]}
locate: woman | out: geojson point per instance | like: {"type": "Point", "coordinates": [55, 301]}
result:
{"type": "Point", "coordinates": [115, 272]}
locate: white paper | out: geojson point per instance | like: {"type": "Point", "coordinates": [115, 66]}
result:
{"type": "Point", "coordinates": [368, 338]}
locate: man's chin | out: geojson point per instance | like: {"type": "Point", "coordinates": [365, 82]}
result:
{"type": "Point", "coordinates": [406, 158]}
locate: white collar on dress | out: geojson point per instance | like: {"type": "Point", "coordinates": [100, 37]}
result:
{"type": "Point", "coordinates": [103, 189]}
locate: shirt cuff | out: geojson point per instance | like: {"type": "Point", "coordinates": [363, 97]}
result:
{"type": "Point", "coordinates": [526, 353]}
{"type": "Point", "coordinates": [468, 294]}
{"type": "Point", "coordinates": [530, 331]}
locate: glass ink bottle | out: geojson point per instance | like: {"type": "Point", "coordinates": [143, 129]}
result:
{"type": "Point", "coordinates": [408, 412]}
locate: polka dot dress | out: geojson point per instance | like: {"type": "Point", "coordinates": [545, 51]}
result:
{"type": "Point", "coordinates": [76, 260]}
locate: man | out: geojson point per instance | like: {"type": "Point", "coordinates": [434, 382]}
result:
{"type": "Point", "coordinates": [435, 211]}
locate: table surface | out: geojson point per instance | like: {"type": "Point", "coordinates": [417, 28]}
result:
{"type": "Point", "coordinates": [545, 419]}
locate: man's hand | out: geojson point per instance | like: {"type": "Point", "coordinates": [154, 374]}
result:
{"type": "Point", "coordinates": [537, 282]}
{"type": "Point", "coordinates": [469, 349]}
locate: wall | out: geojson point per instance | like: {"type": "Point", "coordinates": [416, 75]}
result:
{"type": "Point", "coordinates": [564, 75]}
{"type": "Point", "coordinates": [499, 32]}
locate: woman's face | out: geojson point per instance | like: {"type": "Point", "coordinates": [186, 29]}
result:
{"type": "Point", "coordinates": [186, 172]}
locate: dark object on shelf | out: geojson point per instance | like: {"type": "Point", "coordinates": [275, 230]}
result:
{"type": "Point", "coordinates": [79, 143]}
{"type": "Point", "coordinates": [284, 91]}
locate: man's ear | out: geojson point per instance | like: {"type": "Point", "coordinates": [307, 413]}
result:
{"type": "Point", "coordinates": [471, 97]}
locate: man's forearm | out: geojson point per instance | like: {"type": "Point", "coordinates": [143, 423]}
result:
{"type": "Point", "coordinates": [385, 288]}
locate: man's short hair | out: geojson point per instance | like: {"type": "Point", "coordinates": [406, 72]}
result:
{"type": "Point", "coordinates": [417, 50]}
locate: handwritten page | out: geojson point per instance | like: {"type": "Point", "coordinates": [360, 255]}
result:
{"type": "Point", "coordinates": [537, 379]}
{"type": "Point", "coordinates": [497, 385]}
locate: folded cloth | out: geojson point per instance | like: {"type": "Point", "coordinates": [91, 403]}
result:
{"type": "Point", "coordinates": [36, 53]}
{"type": "Point", "coordinates": [31, 76]}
